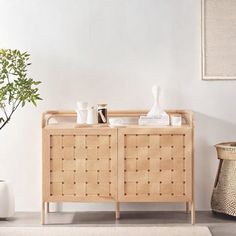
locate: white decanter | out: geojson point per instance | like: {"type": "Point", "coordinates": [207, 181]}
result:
{"type": "Point", "coordinates": [156, 110]}
{"type": "Point", "coordinates": [156, 116]}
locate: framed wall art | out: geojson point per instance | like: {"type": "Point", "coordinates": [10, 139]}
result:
{"type": "Point", "coordinates": [218, 39]}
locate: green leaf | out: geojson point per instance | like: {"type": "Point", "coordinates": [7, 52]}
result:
{"type": "Point", "coordinates": [16, 87]}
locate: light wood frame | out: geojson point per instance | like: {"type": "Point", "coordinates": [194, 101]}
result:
{"type": "Point", "coordinates": [117, 158]}
{"type": "Point", "coordinates": [203, 49]}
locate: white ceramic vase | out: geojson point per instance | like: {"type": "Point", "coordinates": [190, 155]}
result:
{"type": "Point", "coordinates": [82, 116]}
{"type": "Point", "coordinates": [7, 200]}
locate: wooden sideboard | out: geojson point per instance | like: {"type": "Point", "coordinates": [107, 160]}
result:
{"type": "Point", "coordinates": [122, 164]}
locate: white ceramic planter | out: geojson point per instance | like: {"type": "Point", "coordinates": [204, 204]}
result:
{"type": "Point", "coordinates": [7, 200]}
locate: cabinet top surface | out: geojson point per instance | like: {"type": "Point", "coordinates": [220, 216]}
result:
{"type": "Point", "coordinates": [61, 121]}
{"type": "Point", "coordinates": [74, 126]}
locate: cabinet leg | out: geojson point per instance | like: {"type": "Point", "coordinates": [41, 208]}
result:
{"type": "Point", "coordinates": [117, 210]}
{"type": "Point", "coordinates": [187, 207]}
{"type": "Point", "coordinates": [43, 213]}
{"type": "Point", "coordinates": [47, 207]}
{"type": "Point", "coordinates": [192, 213]}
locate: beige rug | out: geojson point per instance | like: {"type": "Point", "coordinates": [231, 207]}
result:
{"type": "Point", "coordinates": [105, 231]}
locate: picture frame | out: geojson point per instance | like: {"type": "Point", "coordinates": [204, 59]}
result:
{"type": "Point", "coordinates": [218, 39]}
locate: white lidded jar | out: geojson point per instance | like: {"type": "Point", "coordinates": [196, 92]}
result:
{"type": "Point", "coordinates": [176, 120]}
{"type": "Point", "coordinates": [7, 199]}
{"type": "Point", "coordinates": [102, 113]}
{"type": "Point", "coordinates": [92, 117]}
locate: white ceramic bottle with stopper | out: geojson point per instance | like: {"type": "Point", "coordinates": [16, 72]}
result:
{"type": "Point", "coordinates": [156, 116]}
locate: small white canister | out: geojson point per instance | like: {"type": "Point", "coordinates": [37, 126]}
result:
{"type": "Point", "coordinates": [92, 117]}
{"type": "Point", "coordinates": [176, 120]}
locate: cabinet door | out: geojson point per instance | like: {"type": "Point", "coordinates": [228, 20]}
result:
{"type": "Point", "coordinates": [80, 165]}
{"type": "Point", "coordinates": [155, 164]}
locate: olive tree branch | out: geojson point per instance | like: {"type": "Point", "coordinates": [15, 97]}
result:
{"type": "Point", "coordinates": [8, 117]}
{"type": "Point", "coordinates": [16, 88]}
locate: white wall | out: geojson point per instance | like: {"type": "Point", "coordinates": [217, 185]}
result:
{"type": "Point", "coordinates": [114, 51]}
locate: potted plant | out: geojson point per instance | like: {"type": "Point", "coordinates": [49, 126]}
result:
{"type": "Point", "coordinates": [16, 90]}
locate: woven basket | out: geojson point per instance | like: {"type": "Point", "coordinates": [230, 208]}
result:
{"type": "Point", "coordinates": [224, 192]}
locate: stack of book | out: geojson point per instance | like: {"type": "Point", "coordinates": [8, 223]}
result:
{"type": "Point", "coordinates": [163, 120]}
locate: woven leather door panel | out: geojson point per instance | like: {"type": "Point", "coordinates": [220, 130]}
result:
{"type": "Point", "coordinates": [154, 164]}
{"type": "Point", "coordinates": [82, 165]}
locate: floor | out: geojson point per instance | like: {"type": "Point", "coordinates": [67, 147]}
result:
{"type": "Point", "coordinates": [218, 224]}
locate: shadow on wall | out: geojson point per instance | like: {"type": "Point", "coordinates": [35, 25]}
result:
{"type": "Point", "coordinates": [208, 132]}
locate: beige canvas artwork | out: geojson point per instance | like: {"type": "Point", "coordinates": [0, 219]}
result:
{"type": "Point", "coordinates": [218, 39]}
